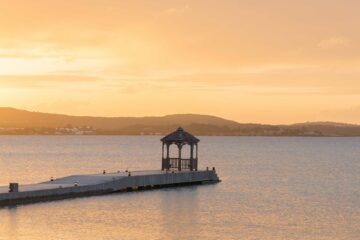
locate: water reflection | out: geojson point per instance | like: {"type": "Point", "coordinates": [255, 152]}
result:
{"type": "Point", "coordinates": [12, 217]}
{"type": "Point", "coordinates": [273, 188]}
{"type": "Point", "coordinates": [180, 209]}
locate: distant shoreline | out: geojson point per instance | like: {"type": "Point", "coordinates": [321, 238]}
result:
{"type": "Point", "coordinates": [138, 135]}
{"type": "Point", "coordinates": [20, 122]}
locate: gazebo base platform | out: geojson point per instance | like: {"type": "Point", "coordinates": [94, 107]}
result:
{"type": "Point", "coordinates": [100, 184]}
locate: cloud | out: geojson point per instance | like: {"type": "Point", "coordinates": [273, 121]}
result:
{"type": "Point", "coordinates": [275, 74]}
{"type": "Point", "coordinates": [334, 42]}
{"type": "Point", "coordinates": [174, 11]}
{"type": "Point", "coordinates": [47, 65]}
{"type": "Point", "coordinates": [25, 81]}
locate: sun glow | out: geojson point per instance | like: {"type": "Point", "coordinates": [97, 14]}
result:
{"type": "Point", "coordinates": [271, 62]}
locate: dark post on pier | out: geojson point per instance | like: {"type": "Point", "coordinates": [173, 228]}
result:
{"type": "Point", "coordinates": [180, 138]}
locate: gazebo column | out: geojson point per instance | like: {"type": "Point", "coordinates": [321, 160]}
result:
{"type": "Point", "coordinates": [162, 157]}
{"type": "Point", "coordinates": [163, 165]}
{"type": "Point", "coordinates": [167, 161]}
{"type": "Point", "coordinates": [191, 157]}
{"type": "Point", "coordinates": [179, 160]}
{"type": "Point", "coordinates": [196, 159]}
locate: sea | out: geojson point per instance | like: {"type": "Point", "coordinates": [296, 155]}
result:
{"type": "Point", "coordinates": [272, 188]}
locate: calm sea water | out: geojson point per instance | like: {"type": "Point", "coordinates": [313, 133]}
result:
{"type": "Point", "coordinates": [272, 188]}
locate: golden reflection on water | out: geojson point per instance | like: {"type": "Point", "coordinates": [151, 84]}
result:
{"type": "Point", "coordinates": [163, 214]}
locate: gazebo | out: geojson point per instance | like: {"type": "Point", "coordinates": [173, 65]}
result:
{"type": "Point", "coordinates": [180, 138]}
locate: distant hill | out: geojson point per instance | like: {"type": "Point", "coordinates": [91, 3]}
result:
{"type": "Point", "coordinates": [14, 121]}
{"type": "Point", "coordinates": [14, 118]}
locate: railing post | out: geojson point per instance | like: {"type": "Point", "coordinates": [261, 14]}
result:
{"type": "Point", "coordinates": [13, 187]}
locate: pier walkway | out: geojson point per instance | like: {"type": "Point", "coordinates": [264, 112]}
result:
{"type": "Point", "coordinates": [98, 184]}
{"type": "Point", "coordinates": [81, 180]}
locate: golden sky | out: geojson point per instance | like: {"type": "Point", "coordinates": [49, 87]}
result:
{"type": "Point", "coordinates": [276, 61]}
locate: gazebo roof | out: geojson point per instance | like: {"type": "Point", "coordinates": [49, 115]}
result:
{"type": "Point", "coordinates": [180, 136]}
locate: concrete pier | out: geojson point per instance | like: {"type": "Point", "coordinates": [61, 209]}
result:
{"type": "Point", "coordinates": [99, 184]}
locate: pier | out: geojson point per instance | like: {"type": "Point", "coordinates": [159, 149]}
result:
{"type": "Point", "coordinates": [100, 184]}
{"type": "Point", "coordinates": [175, 171]}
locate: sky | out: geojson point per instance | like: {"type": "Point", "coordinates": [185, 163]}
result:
{"type": "Point", "coordinates": [276, 61]}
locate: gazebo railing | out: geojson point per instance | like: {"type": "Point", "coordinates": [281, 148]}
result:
{"type": "Point", "coordinates": [174, 162]}
{"type": "Point", "coordinates": [185, 163]}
